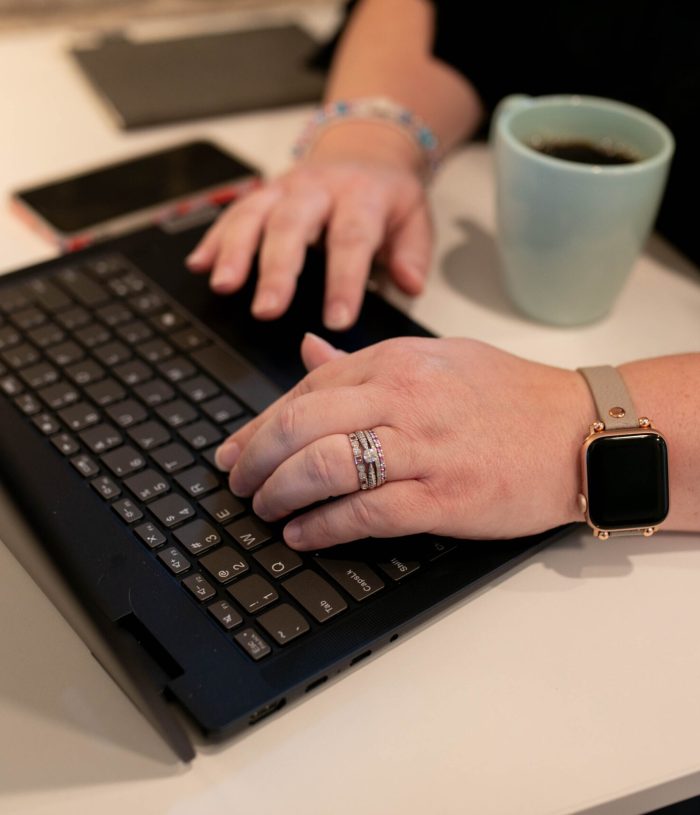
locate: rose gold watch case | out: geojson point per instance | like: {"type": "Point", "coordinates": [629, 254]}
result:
{"type": "Point", "coordinates": [594, 433]}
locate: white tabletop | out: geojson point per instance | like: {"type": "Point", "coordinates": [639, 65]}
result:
{"type": "Point", "coordinates": [568, 686]}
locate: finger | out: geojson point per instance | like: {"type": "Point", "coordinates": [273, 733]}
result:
{"type": "Point", "coordinates": [325, 469]}
{"type": "Point", "coordinates": [409, 251]}
{"type": "Point", "coordinates": [203, 255]}
{"type": "Point", "coordinates": [315, 351]}
{"type": "Point", "coordinates": [345, 369]}
{"type": "Point", "coordinates": [396, 508]}
{"type": "Point", "coordinates": [298, 423]}
{"type": "Point", "coordinates": [239, 237]}
{"type": "Point", "coordinates": [293, 223]}
{"type": "Point", "coordinates": [355, 232]}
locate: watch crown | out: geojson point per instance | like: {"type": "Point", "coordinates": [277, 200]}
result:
{"type": "Point", "coordinates": [644, 422]}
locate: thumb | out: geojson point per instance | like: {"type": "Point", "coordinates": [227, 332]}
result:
{"type": "Point", "coordinates": [315, 351]}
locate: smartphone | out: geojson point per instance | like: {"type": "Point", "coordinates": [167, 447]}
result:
{"type": "Point", "coordinates": [118, 198]}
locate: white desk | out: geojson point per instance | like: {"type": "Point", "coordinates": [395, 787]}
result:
{"type": "Point", "coordinates": [569, 686]}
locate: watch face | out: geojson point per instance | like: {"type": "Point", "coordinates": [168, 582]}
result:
{"type": "Point", "coordinates": [627, 481]}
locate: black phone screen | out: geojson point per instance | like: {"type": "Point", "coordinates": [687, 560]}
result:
{"type": "Point", "coordinates": [77, 203]}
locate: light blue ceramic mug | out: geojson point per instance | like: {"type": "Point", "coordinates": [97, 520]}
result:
{"type": "Point", "coordinates": [569, 232]}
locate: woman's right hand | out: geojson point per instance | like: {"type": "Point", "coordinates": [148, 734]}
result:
{"type": "Point", "coordinates": [361, 185]}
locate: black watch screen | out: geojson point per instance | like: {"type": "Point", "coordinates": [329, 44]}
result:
{"type": "Point", "coordinates": [627, 480]}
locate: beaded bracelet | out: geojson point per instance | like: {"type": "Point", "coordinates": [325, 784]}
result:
{"type": "Point", "coordinates": [376, 109]}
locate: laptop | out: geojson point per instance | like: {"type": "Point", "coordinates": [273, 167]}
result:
{"type": "Point", "coordinates": [120, 373]}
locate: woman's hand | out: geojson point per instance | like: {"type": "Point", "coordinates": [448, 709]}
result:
{"type": "Point", "coordinates": [368, 199]}
{"type": "Point", "coordinates": [478, 443]}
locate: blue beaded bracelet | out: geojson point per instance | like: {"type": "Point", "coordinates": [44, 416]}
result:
{"type": "Point", "coordinates": [375, 109]}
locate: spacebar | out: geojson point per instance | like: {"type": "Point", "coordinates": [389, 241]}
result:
{"type": "Point", "coordinates": [235, 374]}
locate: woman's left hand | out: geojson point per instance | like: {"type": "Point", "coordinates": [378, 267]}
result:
{"type": "Point", "coordinates": [478, 443]}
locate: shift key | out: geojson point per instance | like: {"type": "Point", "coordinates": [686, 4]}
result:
{"type": "Point", "coordinates": [358, 580]}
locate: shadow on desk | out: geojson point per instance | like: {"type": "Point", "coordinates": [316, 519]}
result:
{"type": "Point", "coordinates": [473, 270]}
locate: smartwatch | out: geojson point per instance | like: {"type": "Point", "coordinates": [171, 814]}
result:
{"type": "Point", "coordinates": [624, 463]}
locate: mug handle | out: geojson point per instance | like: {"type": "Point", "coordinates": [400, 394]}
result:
{"type": "Point", "coordinates": [509, 104]}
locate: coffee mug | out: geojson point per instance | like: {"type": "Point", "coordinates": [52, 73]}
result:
{"type": "Point", "coordinates": [568, 230]}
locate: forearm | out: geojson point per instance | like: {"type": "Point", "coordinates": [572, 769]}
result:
{"type": "Point", "coordinates": [667, 391]}
{"type": "Point", "coordinates": [386, 51]}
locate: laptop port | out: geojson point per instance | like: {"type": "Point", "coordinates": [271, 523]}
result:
{"type": "Point", "coordinates": [266, 710]}
{"type": "Point", "coordinates": [316, 683]}
{"type": "Point", "coordinates": [360, 657]}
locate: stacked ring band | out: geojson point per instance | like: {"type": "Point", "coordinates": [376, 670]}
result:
{"type": "Point", "coordinates": [368, 456]}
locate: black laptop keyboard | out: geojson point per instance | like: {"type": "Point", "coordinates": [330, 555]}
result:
{"type": "Point", "coordinates": [136, 396]}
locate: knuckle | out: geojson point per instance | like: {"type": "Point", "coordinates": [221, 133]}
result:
{"type": "Point", "coordinates": [318, 467]}
{"type": "Point", "coordinates": [360, 516]}
{"type": "Point", "coordinates": [350, 232]}
{"type": "Point", "coordinates": [288, 422]}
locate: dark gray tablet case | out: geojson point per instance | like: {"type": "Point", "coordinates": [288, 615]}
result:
{"type": "Point", "coordinates": [163, 81]}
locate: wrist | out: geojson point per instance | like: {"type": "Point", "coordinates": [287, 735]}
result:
{"type": "Point", "coordinates": [367, 141]}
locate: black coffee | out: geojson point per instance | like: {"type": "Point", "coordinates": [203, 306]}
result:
{"type": "Point", "coordinates": [586, 152]}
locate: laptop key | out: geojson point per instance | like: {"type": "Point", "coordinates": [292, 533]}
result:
{"type": "Point", "coordinates": [47, 295]}
{"type": "Point", "coordinates": [21, 355]}
{"type": "Point", "coordinates": [65, 444]}
{"type": "Point", "coordinates": [199, 587]}
{"type": "Point", "coordinates": [93, 334]}
{"type": "Point", "coordinates": [358, 580]}
{"type": "Point", "coordinates": [46, 335]}
{"type": "Point", "coordinates": [200, 434]}
{"type": "Point", "coordinates": [28, 318]}
{"type": "Point", "coordinates": [278, 559]}
{"type": "Point", "coordinates": [127, 413]}
{"type": "Point", "coordinates": [317, 596]}
{"type": "Point", "coordinates": [252, 643]}
{"type": "Point", "coordinates": [155, 350]}
{"type": "Point", "coordinates": [114, 314]}
{"type": "Point", "coordinates": [101, 438]}
{"type": "Point", "coordinates": [83, 373]}
{"type": "Point", "coordinates": [155, 392]}
{"type": "Point", "coordinates": [147, 485]}
{"type": "Point", "coordinates": [199, 388]}
{"type": "Point", "coordinates": [284, 623]}
{"type": "Point", "coordinates": [86, 291]}
{"type": "Point", "coordinates": [177, 369]}
{"type": "Point", "coordinates": [105, 487]}
{"type": "Point", "coordinates": [197, 481]}
{"type": "Point", "coordinates": [174, 560]}
{"type": "Point", "coordinates": [134, 332]}
{"type": "Point", "coordinates": [38, 376]}
{"type": "Point", "coordinates": [59, 395]}
{"type": "Point", "coordinates": [133, 373]}
{"type": "Point", "coordinates": [253, 593]}
{"type": "Point", "coordinates": [105, 392]}
{"type": "Point", "coordinates": [66, 353]}
{"type": "Point", "coordinates": [224, 564]}
{"type": "Point", "coordinates": [79, 416]}
{"type": "Point", "coordinates": [46, 423]}
{"type": "Point", "coordinates": [123, 461]}
{"type": "Point", "coordinates": [28, 404]}
{"type": "Point", "coordinates": [9, 336]}
{"type": "Point", "coordinates": [177, 412]}
{"type": "Point", "coordinates": [223, 409]}
{"type": "Point", "coordinates": [249, 532]}
{"type": "Point", "coordinates": [397, 569]}
{"type": "Point", "coordinates": [225, 614]}
{"type": "Point", "coordinates": [11, 386]}
{"type": "Point", "coordinates": [85, 465]}
{"type": "Point", "coordinates": [222, 506]}
{"type": "Point", "coordinates": [198, 537]}
{"type": "Point", "coordinates": [112, 353]}
{"type": "Point", "coordinates": [73, 318]}
{"type": "Point", "coordinates": [127, 510]}
{"type": "Point", "coordinates": [149, 435]}
{"type": "Point", "coordinates": [189, 338]}
{"type": "Point", "coordinates": [150, 535]}
{"type": "Point", "coordinates": [172, 510]}
{"type": "Point", "coordinates": [172, 458]}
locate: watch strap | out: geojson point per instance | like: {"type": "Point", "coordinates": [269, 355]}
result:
{"type": "Point", "coordinates": [612, 399]}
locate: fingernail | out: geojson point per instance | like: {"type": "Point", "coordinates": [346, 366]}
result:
{"type": "Point", "coordinates": [338, 316]}
{"type": "Point", "coordinates": [264, 302]}
{"type": "Point", "coordinates": [227, 455]}
{"type": "Point", "coordinates": [221, 277]}
{"type": "Point", "coordinates": [322, 341]}
{"type": "Point", "coordinates": [292, 532]}
{"type": "Point", "coordinates": [195, 258]}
